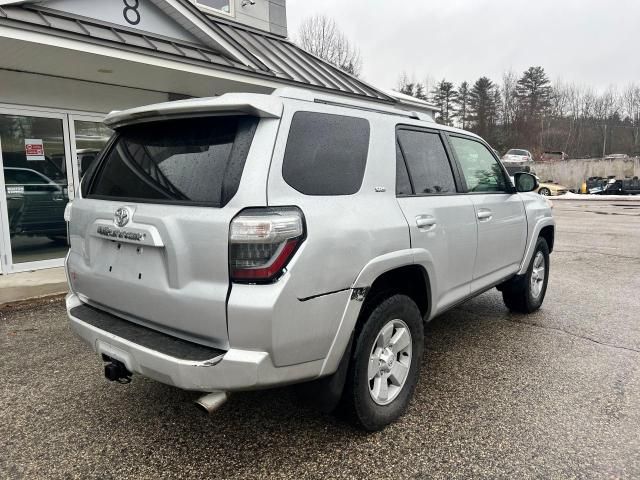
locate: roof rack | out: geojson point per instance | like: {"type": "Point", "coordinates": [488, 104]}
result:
{"type": "Point", "coordinates": [339, 101]}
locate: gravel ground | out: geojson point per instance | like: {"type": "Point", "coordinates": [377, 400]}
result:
{"type": "Point", "coordinates": [552, 395]}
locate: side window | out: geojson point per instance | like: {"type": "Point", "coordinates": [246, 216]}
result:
{"type": "Point", "coordinates": [403, 184]}
{"type": "Point", "coordinates": [427, 162]}
{"type": "Point", "coordinates": [326, 154]}
{"type": "Point", "coordinates": [480, 169]}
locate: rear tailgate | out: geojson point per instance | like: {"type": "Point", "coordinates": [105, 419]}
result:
{"type": "Point", "coordinates": [175, 280]}
{"type": "Point", "coordinates": [149, 238]}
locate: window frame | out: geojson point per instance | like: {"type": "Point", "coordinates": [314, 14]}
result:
{"type": "Point", "coordinates": [215, 11]}
{"type": "Point", "coordinates": [510, 189]}
{"type": "Point", "coordinates": [453, 165]}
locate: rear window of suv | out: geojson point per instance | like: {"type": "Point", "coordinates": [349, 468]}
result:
{"type": "Point", "coordinates": [326, 154]}
{"type": "Point", "coordinates": [187, 161]}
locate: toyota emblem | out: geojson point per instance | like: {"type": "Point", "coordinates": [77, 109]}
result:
{"type": "Point", "coordinates": [122, 216]}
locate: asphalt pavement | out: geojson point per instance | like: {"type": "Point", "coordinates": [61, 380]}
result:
{"type": "Point", "coordinates": [552, 395]}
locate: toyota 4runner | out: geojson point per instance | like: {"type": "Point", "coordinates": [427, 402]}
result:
{"type": "Point", "coordinates": [250, 241]}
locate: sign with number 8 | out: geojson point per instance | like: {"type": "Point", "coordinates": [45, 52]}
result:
{"type": "Point", "coordinates": [131, 12]}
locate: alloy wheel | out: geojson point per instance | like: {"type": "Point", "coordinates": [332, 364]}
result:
{"type": "Point", "coordinates": [538, 275]}
{"type": "Point", "coordinates": [389, 362]}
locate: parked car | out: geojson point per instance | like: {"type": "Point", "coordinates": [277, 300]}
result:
{"type": "Point", "coordinates": [250, 241]}
{"type": "Point", "coordinates": [86, 157]}
{"type": "Point", "coordinates": [545, 189]}
{"type": "Point", "coordinates": [518, 155]}
{"type": "Point", "coordinates": [513, 169]}
{"type": "Point", "coordinates": [553, 156]}
{"type": "Point", "coordinates": [595, 185]}
{"type": "Point", "coordinates": [49, 167]}
{"type": "Point", "coordinates": [551, 189]}
{"type": "Point", "coordinates": [35, 204]}
{"type": "Point", "coordinates": [626, 186]}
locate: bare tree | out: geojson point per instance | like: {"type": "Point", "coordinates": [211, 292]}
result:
{"type": "Point", "coordinates": [429, 83]}
{"type": "Point", "coordinates": [631, 105]}
{"type": "Point", "coordinates": [320, 36]}
{"type": "Point", "coordinates": [509, 98]}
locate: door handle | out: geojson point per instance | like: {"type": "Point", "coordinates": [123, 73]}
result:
{"type": "Point", "coordinates": [425, 222]}
{"type": "Point", "coordinates": [485, 214]}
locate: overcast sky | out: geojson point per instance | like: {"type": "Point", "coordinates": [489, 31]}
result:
{"type": "Point", "coordinates": [590, 42]}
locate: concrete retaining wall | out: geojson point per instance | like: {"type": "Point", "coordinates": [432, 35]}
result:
{"type": "Point", "coordinates": [572, 173]}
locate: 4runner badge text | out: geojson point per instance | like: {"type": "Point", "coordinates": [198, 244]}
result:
{"type": "Point", "coordinates": [122, 234]}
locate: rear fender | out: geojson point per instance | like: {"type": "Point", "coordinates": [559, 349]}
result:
{"type": "Point", "coordinates": [359, 289]}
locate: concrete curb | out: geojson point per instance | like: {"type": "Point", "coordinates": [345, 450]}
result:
{"type": "Point", "coordinates": [32, 286]}
{"type": "Point", "coordinates": [34, 302]}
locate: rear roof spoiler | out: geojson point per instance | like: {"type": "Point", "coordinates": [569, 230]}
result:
{"type": "Point", "coordinates": [257, 105]}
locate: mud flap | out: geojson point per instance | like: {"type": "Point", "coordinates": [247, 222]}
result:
{"type": "Point", "coordinates": [325, 393]}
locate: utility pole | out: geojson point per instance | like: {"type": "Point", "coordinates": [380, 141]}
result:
{"type": "Point", "coordinates": [604, 146]}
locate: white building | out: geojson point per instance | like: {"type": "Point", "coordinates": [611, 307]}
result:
{"type": "Point", "coordinates": [64, 64]}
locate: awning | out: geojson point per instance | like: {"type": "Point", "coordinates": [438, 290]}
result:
{"type": "Point", "coordinates": [231, 46]}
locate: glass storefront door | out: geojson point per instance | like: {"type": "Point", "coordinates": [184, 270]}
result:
{"type": "Point", "coordinates": [90, 137]}
{"type": "Point", "coordinates": [37, 182]}
{"type": "Point", "coordinates": [34, 155]}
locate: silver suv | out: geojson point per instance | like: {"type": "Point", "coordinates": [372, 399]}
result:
{"type": "Point", "coordinates": [250, 241]}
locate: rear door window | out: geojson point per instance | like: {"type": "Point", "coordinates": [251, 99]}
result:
{"type": "Point", "coordinates": [427, 162]}
{"type": "Point", "coordinates": [190, 161]}
{"type": "Point", "coordinates": [326, 154]}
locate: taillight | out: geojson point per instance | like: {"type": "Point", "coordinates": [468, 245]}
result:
{"type": "Point", "coordinates": [262, 241]}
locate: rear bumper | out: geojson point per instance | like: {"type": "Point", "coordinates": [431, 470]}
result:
{"type": "Point", "coordinates": [235, 369]}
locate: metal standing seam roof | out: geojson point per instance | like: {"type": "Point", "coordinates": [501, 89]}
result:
{"type": "Point", "coordinates": [272, 57]}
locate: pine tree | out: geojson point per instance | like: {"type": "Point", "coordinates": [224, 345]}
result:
{"type": "Point", "coordinates": [419, 92]}
{"type": "Point", "coordinates": [406, 86]}
{"type": "Point", "coordinates": [408, 89]}
{"type": "Point", "coordinates": [412, 88]}
{"type": "Point", "coordinates": [482, 107]}
{"type": "Point", "coordinates": [533, 93]}
{"type": "Point", "coordinates": [444, 95]}
{"type": "Point", "coordinates": [462, 103]}
{"type": "Point", "coordinates": [497, 106]}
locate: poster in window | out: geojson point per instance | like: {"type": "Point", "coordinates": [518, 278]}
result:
{"type": "Point", "coordinates": [34, 149]}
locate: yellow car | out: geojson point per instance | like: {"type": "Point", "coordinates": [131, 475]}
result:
{"type": "Point", "coordinates": [551, 189]}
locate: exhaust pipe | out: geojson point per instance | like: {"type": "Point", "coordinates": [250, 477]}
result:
{"type": "Point", "coordinates": [212, 402]}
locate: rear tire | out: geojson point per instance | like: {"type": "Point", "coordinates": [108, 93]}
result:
{"type": "Point", "coordinates": [385, 365]}
{"type": "Point", "coordinates": [545, 192]}
{"type": "Point", "coordinates": [525, 293]}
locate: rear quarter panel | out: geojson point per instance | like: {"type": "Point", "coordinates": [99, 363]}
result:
{"type": "Point", "coordinates": [343, 234]}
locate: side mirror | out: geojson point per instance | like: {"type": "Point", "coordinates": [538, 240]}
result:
{"type": "Point", "coordinates": [525, 182]}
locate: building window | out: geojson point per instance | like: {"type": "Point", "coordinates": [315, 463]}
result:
{"type": "Point", "coordinates": [216, 6]}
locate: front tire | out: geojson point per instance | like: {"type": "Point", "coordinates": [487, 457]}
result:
{"type": "Point", "coordinates": [385, 365]}
{"type": "Point", "coordinates": [545, 192]}
{"type": "Point", "coordinates": [525, 293]}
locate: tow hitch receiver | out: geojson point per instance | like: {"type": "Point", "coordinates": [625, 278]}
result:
{"type": "Point", "coordinates": [116, 371]}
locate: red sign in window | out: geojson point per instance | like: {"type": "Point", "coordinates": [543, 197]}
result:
{"type": "Point", "coordinates": [34, 149]}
